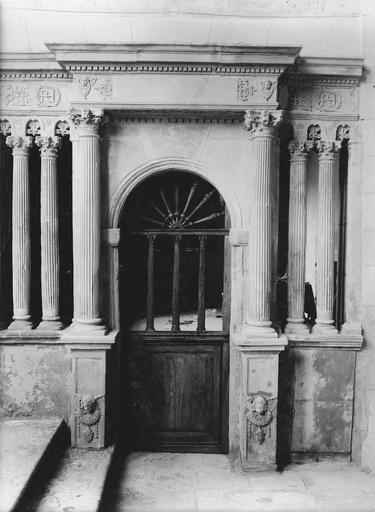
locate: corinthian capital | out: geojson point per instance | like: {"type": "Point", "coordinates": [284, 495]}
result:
{"type": "Point", "coordinates": [327, 148]}
{"type": "Point", "coordinates": [262, 121]}
{"type": "Point", "coordinates": [19, 144]}
{"type": "Point", "coordinates": [87, 120]}
{"type": "Point", "coordinates": [48, 145]}
{"type": "Point", "coordinates": [298, 149]}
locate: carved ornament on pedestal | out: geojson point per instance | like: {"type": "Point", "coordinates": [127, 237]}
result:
{"type": "Point", "coordinates": [259, 416]}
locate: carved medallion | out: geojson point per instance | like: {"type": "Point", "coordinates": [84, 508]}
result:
{"type": "Point", "coordinates": [259, 418]}
{"type": "Point", "coordinates": [88, 418]}
{"type": "Point", "coordinates": [48, 96]}
{"type": "Point", "coordinates": [329, 101]}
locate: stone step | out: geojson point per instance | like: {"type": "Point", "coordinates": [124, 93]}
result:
{"type": "Point", "coordinates": [24, 447]}
{"type": "Point", "coordinates": [70, 480]}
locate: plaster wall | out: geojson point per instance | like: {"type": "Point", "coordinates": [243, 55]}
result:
{"type": "Point", "coordinates": [364, 421]}
{"type": "Point", "coordinates": [35, 381]}
{"type": "Point", "coordinates": [221, 149]}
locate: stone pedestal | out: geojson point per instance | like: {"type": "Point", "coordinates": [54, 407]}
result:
{"type": "Point", "coordinates": [21, 261]}
{"type": "Point", "coordinates": [297, 237]}
{"type": "Point", "coordinates": [258, 408]}
{"type": "Point", "coordinates": [261, 126]}
{"type": "Point", "coordinates": [49, 230]}
{"type": "Point", "coordinates": [327, 152]}
{"type": "Point", "coordinates": [86, 220]}
{"type": "Point", "coordinates": [88, 393]}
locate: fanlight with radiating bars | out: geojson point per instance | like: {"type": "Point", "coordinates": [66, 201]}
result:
{"type": "Point", "coordinates": [176, 204]}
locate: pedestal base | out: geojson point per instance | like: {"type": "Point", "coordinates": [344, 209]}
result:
{"type": "Point", "coordinates": [259, 369]}
{"type": "Point", "coordinates": [50, 325]}
{"type": "Point", "coordinates": [20, 325]}
{"type": "Point", "coordinates": [296, 327]}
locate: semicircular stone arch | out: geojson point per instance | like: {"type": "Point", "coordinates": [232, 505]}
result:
{"type": "Point", "coordinates": [151, 168]}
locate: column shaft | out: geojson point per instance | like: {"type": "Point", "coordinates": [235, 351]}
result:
{"type": "Point", "coordinates": [325, 238]}
{"type": "Point", "coordinates": [21, 261]}
{"type": "Point", "coordinates": [261, 125]}
{"type": "Point", "coordinates": [50, 259]}
{"type": "Point", "coordinates": [86, 212]}
{"type": "Point", "coordinates": [297, 237]}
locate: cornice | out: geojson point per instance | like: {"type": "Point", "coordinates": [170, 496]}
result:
{"type": "Point", "coordinates": [327, 71]}
{"type": "Point", "coordinates": [176, 58]}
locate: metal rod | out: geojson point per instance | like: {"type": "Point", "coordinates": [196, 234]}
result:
{"type": "Point", "coordinates": [190, 197]}
{"type": "Point", "coordinates": [209, 217]}
{"type": "Point", "coordinates": [199, 205]}
{"type": "Point", "coordinates": [150, 284]}
{"type": "Point", "coordinates": [202, 284]}
{"type": "Point", "coordinates": [176, 285]}
{"type": "Point", "coordinates": [180, 232]}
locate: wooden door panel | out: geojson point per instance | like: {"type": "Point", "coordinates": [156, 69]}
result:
{"type": "Point", "coordinates": [180, 386]}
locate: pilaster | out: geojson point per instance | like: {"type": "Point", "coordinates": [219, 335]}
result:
{"type": "Point", "coordinates": [297, 237]}
{"type": "Point", "coordinates": [50, 261]}
{"type": "Point", "coordinates": [327, 151]}
{"type": "Point", "coordinates": [21, 261]}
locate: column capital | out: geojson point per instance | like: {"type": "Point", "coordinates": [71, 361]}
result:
{"type": "Point", "coordinates": [88, 121]}
{"type": "Point", "coordinates": [49, 146]}
{"type": "Point", "coordinates": [327, 149]}
{"type": "Point", "coordinates": [20, 145]}
{"type": "Point", "coordinates": [298, 149]}
{"type": "Point", "coordinates": [262, 122]}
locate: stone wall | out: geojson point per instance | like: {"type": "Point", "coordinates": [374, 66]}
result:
{"type": "Point", "coordinates": [364, 423]}
{"type": "Point", "coordinates": [35, 381]}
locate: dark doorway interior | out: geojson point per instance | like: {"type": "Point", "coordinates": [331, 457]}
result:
{"type": "Point", "coordinates": [174, 315]}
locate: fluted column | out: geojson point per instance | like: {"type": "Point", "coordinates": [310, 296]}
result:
{"type": "Point", "coordinates": [327, 151]}
{"type": "Point", "coordinates": [49, 231]}
{"type": "Point", "coordinates": [86, 221]}
{"type": "Point", "coordinates": [297, 237]}
{"type": "Point", "coordinates": [261, 126]}
{"type": "Point", "coordinates": [21, 261]}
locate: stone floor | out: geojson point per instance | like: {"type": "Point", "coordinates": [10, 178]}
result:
{"type": "Point", "coordinates": [19, 457]}
{"type": "Point", "coordinates": [145, 482]}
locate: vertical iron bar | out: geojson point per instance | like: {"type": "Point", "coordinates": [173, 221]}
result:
{"type": "Point", "coordinates": [201, 284]}
{"type": "Point", "coordinates": [176, 285]}
{"type": "Point", "coordinates": [150, 284]}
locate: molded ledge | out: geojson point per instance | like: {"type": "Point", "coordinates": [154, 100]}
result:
{"type": "Point", "coordinates": [261, 344]}
{"type": "Point", "coordinates": [340, 341]}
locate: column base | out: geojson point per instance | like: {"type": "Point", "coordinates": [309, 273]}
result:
{"type": "Point", "coordinates": [20, 325]}
{"type": "Point", "coordinates": [296, 327]}
{"type": "Point", "coordinates": [324, 328]}
{"type": "Point", "coordinates": [258, 330]}
{"type": "Point", "coordinates": [50, 325]}
{"type": "Point", "coordinates": [85, 330]}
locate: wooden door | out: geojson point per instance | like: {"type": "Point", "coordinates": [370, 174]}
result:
{"type": "Point", "coordinates": [177, 371]}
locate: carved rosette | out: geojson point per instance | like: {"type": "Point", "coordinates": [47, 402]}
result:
{"type": "Point", "coordinates": [62, 128]}
{"type": "Point", "coordinates": [49, 146]}
{"type": "Point", "coordinates": [262, 122]}
{"type": "Point", "coordinates": [33, 128]}
{"type": "Point", "coordinates": [343, 132]}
